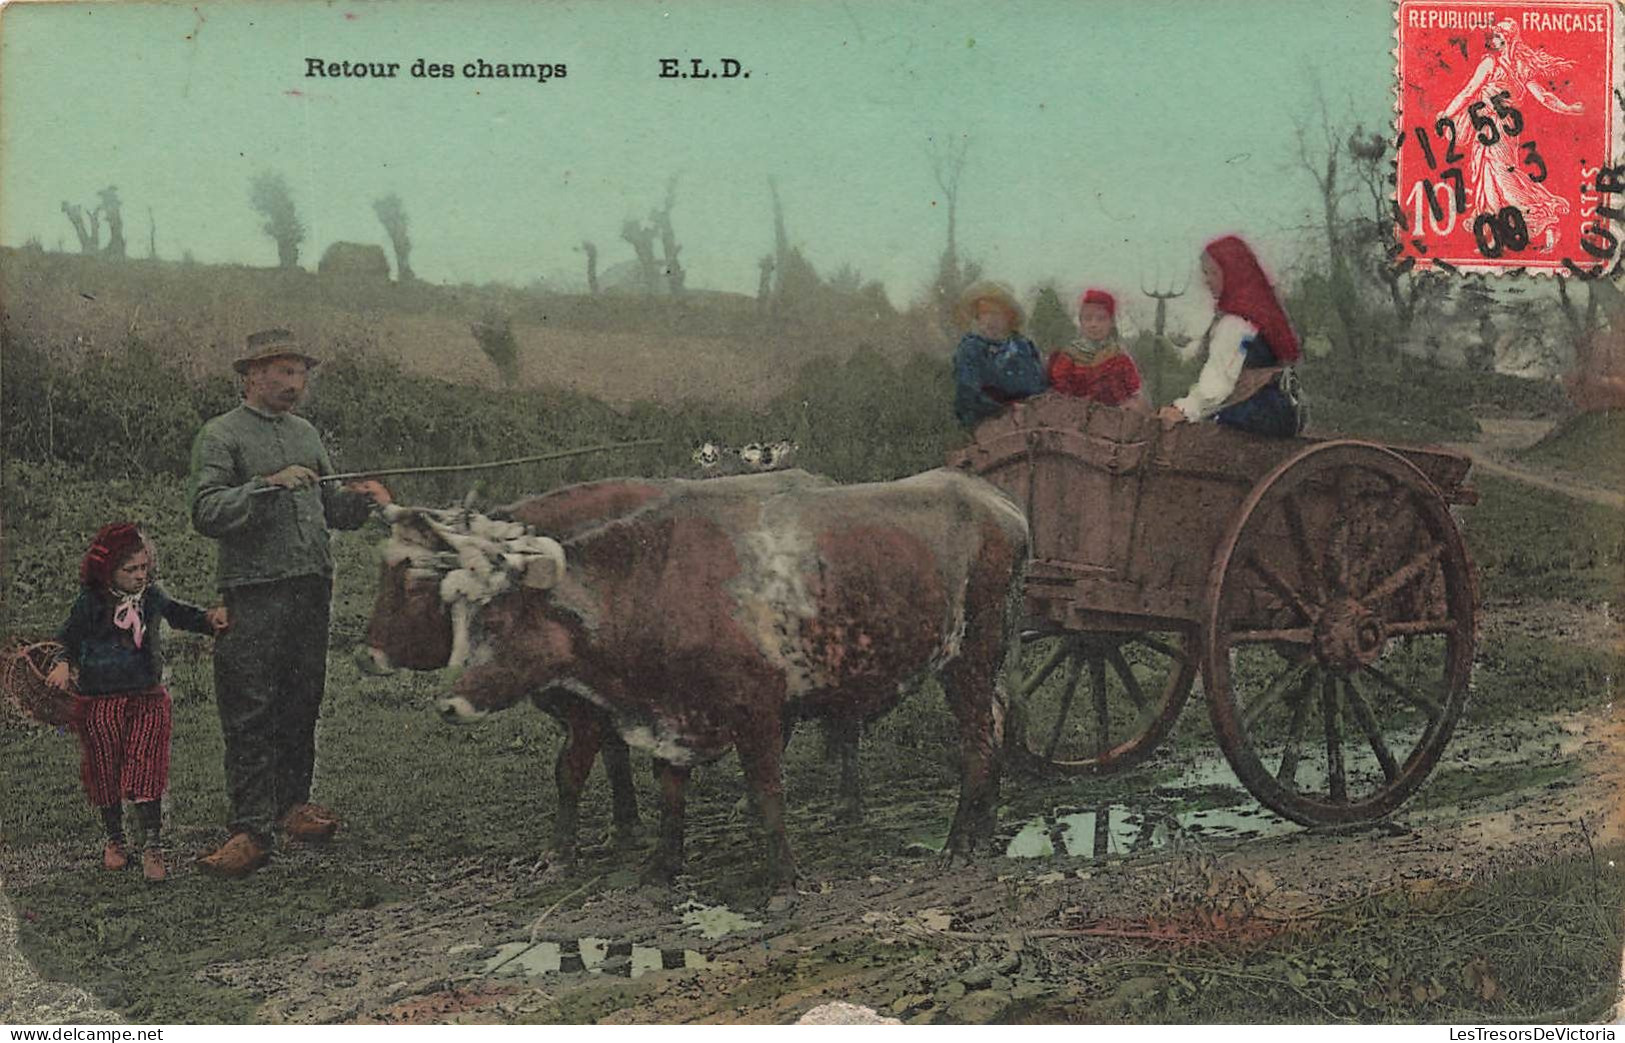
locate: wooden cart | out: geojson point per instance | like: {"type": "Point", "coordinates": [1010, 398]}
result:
{"type": "Point", "coordinates": [1320, 588]}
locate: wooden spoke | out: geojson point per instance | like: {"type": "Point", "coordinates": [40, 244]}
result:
{"type": "Point", "coordinates": [1336, 781]}
{"type": "Point", "coordinates": [1291, 636]}
{"type": "Point", "coordinates": [1414, 627]}
{"type": "Point", "coordinates": [1404, 574]}
{"type": "Point", "coordinates": [1307, 565]}
{"type": "Point", "coordinates": [1417, 699]}
{"type": "Point", "coordinates": [1103, 830]}
{"type": "Point", "coordinates": [1045, 668]}
{"type": "Point", "coordinates": [1163, 647]}
{"type": "Point", "coordinates": [1282, 588]}
{"type": "Point", "coordinates": [1341, 558]}
{"type": "Point", "coordinates": [1103, 713]}
{"type": "Point", "coordinates": [1074, 677]}
{"type": "Point", "coordinates": [1368, 724]}
{"type": "Point", "coordinates": [1131, 684]}
{"type": "Point", "coordinates": [1287, 774]}
{"type": "Point", "coordinates": [1273, 693]}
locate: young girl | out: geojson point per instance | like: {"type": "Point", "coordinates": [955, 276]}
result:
{"type": "Point", "coordinates": [1247, 381]}
{"type": "Point", "coordinates": [994, 364]}
{"type": "Point", "coordinates": [1095, 365]}
{"type": "Point", "coordinates": [111, 643]}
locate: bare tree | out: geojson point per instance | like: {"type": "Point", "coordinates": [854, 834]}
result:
{"type": "Point", "coordinates": [1321, 162]}
{"type": "Point", "coordinates": [110, 207]}
{"type": "Point", "coordinates": [89, 235]}
{"type": "Point", "coordinates": [764, 285]}
{"type": "Point", "coordinates": [1374, 235]}
{"type": "Point", "coordinates": [152, 235]}
{"type": "Point", "coordinates": [392, 215]}
{"type": "Point", "coordinates": [796, 286]}
{"type": "Point", "coordinates": [268, 194]}
{"type": "Point", "coordinates": [668, 238]}
{"type": "Point", "coordinates": [591, 251]}
{"type": "Point", "coordinates": [948, 168]}
{"type": "Point", "coordinates": [642, 238]}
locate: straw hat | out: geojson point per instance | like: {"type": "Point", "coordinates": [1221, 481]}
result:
{"type": "Point", "coordinates": [994, 292]}
{"type": "Point", "coordinates": [272, 344]}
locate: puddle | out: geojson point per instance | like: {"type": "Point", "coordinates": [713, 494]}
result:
{"type": "Point", "coordinates": [714, 921]}
{"type": "Point", "coordinates": [1119, 829]}
{"type": "Point", "coordinates": [587, 955]}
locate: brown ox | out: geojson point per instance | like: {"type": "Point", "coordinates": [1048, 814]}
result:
{"type": "Point", "coordinates": [704, 617]}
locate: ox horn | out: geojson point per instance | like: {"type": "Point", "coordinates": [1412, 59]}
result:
{"type": "Point", "coordinates": [544, 570]}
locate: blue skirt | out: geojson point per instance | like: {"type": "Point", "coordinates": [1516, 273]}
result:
{"type": "Point", "coordinates": [1269, 412]}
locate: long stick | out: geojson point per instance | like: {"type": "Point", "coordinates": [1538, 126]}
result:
{"type": "Point", "coordinates": [444, 468]}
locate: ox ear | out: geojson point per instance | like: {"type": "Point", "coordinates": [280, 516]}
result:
{"type": "Point", "coordinates": [545, 568]}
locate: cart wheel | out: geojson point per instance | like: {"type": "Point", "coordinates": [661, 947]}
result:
{"type": "Point", "coordinates": [1096, 703]}
{"type": "Point", "coordinates": [1340, 615]}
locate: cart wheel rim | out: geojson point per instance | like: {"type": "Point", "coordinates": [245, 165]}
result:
{"type": "Point", "coordinates": [1096, 704]}
{"type": "Point", "coordinates": [1342, 594]}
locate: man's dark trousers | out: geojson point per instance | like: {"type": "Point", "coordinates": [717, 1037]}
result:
{"type": "Point", "coordinates": [270, 669]}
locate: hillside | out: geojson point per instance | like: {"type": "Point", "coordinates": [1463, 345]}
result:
{"type": "Point", "coordinates": [709, 347]}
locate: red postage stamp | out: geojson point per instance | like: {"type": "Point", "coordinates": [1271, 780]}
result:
{"type": "Point", "coordinates": [1508, 135]}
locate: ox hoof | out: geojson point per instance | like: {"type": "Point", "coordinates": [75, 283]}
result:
{"type": "Point", "coordinates": [627, 838]}
{"type": "Point", "coordinates": [659, 873]}
{"type": "Point", "coordinates": [783, 900]}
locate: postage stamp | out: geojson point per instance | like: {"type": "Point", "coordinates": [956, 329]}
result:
{"type": "Point", "coordinates": [1506, 127]}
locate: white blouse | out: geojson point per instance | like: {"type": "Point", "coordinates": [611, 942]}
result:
{"type": "Point", "coordinates": [1225, 360]}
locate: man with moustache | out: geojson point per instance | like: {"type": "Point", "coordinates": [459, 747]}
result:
{"type": "Point", "coordinates": [254, 488]}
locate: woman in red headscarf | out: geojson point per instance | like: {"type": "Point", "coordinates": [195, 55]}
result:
{"type": "Point", "coordinates": [1247, 381]}
{"type": "Point", "coordinates": [1095, 366]}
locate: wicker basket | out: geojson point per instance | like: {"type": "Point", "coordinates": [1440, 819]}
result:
{"type": "Point", "coordinates": [23, 669]}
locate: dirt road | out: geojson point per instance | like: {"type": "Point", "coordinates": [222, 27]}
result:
{"type": "Point", "coordinates": [1500, 438]}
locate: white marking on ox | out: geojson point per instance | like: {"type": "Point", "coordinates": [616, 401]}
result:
{"type": "Point", "coordinates": [460, 711]}
{"type": "Point", "coordinates": [772, 596]}
{"type": "Point", "coordinates": [660, 740]}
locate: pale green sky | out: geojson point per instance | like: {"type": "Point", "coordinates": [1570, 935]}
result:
{"type": "Point", "coordinates": [1108, 138]}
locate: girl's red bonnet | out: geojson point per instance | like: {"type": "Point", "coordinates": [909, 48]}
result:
{"type": "Point", "coordinates": [113, 544]}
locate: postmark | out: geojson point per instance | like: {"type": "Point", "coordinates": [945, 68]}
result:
{"type": "Point", "coordinates": [1507, 135]}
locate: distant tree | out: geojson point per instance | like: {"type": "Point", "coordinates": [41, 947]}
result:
{"type": "Point", "coordinates": [110, 207]}
{"type": "Point", "coordinates": [948, 168]}
{"type": "Point", "coordinates": [1050, 327]}
{"type": "Point", "coordinates": [764, 283]}
{"type": "Point", "coordinates": [1410, 290]}
{"type": "Point", "coordinates": [846, 279]}
{"type": "Point", "coordinates": [796, 286]}
{"type": "Point", "coordinates": [591, 251]}
{"type": "Point", "coordinates": [1321, 161]}
{"type": "Point", "coordinates": [268, 194]}
{"type": "Point", "coordinates": [1477, 302]}
{"type": "Point", "coordinates": [89, 234]}
{"type": "Point", "coordinates": [661, 219]}
{"type": "Point", "coordinates": [392, 215]}
{"type": "Point", "coordinates": [642, 238]}
{"type": "Point", "coordinates": [152, 235]}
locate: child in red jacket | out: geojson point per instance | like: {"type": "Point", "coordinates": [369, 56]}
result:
{"type": "Point", "coordinates": [1095, 365]}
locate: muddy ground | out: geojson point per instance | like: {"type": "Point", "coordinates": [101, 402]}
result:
{"type": "Point", "coordinates": [907, 937]}
{"type": "Point", "coordinates": [902, 934]}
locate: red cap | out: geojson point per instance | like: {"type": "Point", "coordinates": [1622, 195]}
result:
{"type": "Point", "coordinates": [113, 544]}
{"type": "Point", "coordinates": [1100, 297]}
